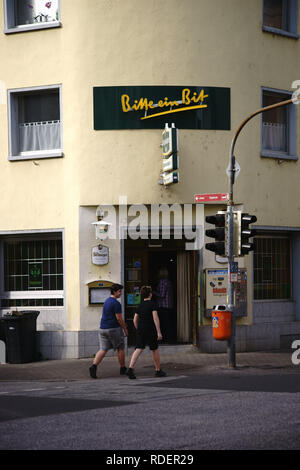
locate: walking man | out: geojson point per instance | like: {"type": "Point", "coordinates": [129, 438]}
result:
{"type": "Point", "coordinates": [147, 324]}
{"type": "Point", "coordinates": [112, 331]}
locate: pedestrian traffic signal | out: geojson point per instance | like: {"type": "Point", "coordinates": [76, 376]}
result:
{"type": "Point", "coordinates": [220, 233]}
{"type": "Point", "coordinates": [244, 233]}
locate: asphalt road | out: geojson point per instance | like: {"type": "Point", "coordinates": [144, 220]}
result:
{"type": "Point", "coordinates": [227, 410]}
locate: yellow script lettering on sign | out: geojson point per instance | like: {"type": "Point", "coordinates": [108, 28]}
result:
{"type": "Point", "coordinates": [144, 104]}
{"type": "Point", "coordinates": [187, 99]}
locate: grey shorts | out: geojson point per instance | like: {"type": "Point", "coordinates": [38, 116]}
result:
{"type": "Point", "coordinates": [111, 338]}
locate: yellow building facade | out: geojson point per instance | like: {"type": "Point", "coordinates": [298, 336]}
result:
{"type": "Point", "coordinates": [68, 150]}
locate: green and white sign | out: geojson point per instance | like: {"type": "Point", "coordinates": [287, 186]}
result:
{"type": "Point", "coordinates": [35, 275]}
{"type": "Point", "coordinates": [169, 141]}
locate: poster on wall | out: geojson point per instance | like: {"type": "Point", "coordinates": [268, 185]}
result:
{"type": "Point", "coordinates": [151, 107]}
{"type": "Point", "coordinates": [216, 290]}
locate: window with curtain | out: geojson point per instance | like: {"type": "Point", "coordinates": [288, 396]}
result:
{"type": "Point", "coordinates": [281, 17]}
{"type": "Point", "coordinates": [35, 124]}
{"type": "Point", "coordinates": [275, 123]}
{"type": "Point", "coordinates": [278, 126]}
{"type": "Point", "coordinates": [275, 13]}
{"type": "Point", "coordinates": [22, 15]}
{"type": "Point", "coordinates": [39, 121]}
{"type": "Point", "coordinates": [35, 11]}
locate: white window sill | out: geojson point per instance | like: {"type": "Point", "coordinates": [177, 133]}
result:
{"type": "Point", "coordinates": [32, 27]}
{"type": "Point", "coordinates": [291, 301]}
{"type": "Point", "coordinates": [33, 294]}
{"type": "Point", "coordinates": [36, 155]}
{"type": "Point", "coordinates": [278, 155]}
{"type": "Point", "coordinates": [280, 32]}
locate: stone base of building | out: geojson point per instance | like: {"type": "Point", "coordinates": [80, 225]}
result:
{"type": "Point", "coordinates": [260, 337]}
{"type": "Point", "coordinates": [67, 344]}
{"type": "Point", "coordinates": [53, 345]}
{"type": "Point", "coordinates": [251, 338]}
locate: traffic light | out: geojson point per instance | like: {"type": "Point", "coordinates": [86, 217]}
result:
{"type": "Point", "coordinates": [244, 246]}
{"type": "Point", "coordinates": [220, 233]}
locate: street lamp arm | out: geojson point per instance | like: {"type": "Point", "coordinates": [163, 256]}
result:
{"type": "Point", "coordinates": [230, 294]}
{"type": "Point", "coordinates": [261, 110]}
{"type": "Point", "coordinates": [237, 133]}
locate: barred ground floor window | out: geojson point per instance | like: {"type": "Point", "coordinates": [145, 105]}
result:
{"type": "Point", "coordinates": [32, 267]}
{"type": "Point", "coordinates": [272, 268]}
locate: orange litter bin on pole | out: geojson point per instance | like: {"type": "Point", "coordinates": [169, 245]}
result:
{"type": "Point", "coordinates": [221, 322]}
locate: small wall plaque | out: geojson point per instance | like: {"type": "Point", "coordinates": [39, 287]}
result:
{"type": "Point", "coordinates": [100, 255]}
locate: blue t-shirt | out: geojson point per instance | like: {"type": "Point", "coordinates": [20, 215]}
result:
{"type": "Point", "coordinates": [110, 307]}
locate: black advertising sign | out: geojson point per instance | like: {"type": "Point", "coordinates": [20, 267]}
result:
{"type": "Point", "coordinates": [151, 107]}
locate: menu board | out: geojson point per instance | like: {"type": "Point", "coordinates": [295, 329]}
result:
{"type": "Point", "coordinates": [98, 296]}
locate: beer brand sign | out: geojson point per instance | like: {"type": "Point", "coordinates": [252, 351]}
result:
{"type": "Point", "coordinates": [150, 107]}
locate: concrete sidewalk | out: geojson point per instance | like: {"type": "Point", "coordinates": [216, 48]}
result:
{"type": "Point", "coordinates": [176, 360]}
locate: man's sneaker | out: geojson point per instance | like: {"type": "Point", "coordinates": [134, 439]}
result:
{"type": "Point", "coordinates": [123, 370]}
{"type": "Point", "coordinates": [93, 370]}
{"type": "Point", "coordinates": [130, 374]}
{"type": "Point", "coordinates": [160, 373]}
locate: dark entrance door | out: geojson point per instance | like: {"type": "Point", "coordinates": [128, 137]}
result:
{"type": "Point", "coordinates": [141, 267]}
{"type": "Point", "coordinates": [160, 262]}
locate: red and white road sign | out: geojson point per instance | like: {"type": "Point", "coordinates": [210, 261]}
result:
{"type": "Point", "coordinates": [214, 197]}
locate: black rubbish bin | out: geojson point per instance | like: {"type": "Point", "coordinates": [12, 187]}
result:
{"type": "Point", "coordinates": [20, 336]}
{"type": "Point", "coordinates": [2, 330]}
{"type": "Point", "coordinates": [2, 335]}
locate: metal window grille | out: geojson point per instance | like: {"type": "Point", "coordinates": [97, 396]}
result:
{"type": "Point", "coordinates": [33, 266]}
{"type": "Point", "coordinates": [272, 268]}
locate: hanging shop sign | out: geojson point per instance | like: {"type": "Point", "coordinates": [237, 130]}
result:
{"type": "Point", "coordinates": [151, 107]}
{"type": "Point", "coordinates": [100, 255]}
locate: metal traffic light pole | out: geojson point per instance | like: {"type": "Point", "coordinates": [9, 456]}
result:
{"type": "Point", "coordinates": [231, 177]}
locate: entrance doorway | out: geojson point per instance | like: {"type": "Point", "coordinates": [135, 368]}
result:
{"type": "Point", "coordinates": [162, 269]}
{"type": "Point", "coordinates": [145, 264]}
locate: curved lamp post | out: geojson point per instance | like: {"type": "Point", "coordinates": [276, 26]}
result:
{"type": "Point", "coordinates": [231, 341]}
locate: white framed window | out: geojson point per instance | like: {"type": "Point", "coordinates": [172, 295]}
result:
{"type": "Point", "coordinates": [32, 270]}
{"type": "Point", "coordinates": [278, 126]}
{"type": "Point", "coordinates": [281, 17]}
{"type": "Point", "coordinates": [28, 15]}
{"type": "Point", "coordinates": [34, 121]}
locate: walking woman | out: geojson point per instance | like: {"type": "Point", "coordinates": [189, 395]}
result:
{"type": "Point", "coordinates": [146, 322]}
